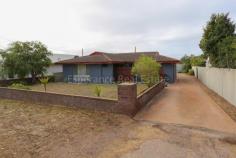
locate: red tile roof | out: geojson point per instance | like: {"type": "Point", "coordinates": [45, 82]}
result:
{"type": "Point", "coordinates": [109, 58]}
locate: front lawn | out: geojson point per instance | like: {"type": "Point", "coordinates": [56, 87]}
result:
{"type": "Point", "coordinates": [108, 90]}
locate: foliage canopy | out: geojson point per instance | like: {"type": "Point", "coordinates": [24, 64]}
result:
{"type": "Point", "coordinates": [44, 82]}
{"type": "Point", "coordinates": [148, 69]}
{"type": "Point", "coordinates": [24, 58]}
{"type": "Point", "coordinates": [186, 61]}
{"type": "Point", "coordinates": [218, 41]}
{"type": "Point", "coordinates": [98, 91]}
{"type": "Point", "coordinates": [192, 60]}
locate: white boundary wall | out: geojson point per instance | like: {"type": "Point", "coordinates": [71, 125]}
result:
{"type": "Point", "coordinates": [221, 81]}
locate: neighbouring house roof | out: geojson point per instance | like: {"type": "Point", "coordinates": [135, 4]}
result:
{"type": "Point", "coordinates": [58, 57]}
{"type": "Point", "coordinates": [110, 58]}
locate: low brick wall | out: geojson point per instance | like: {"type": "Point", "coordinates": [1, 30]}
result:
{"type": "Point", "coordinates": [59, 99]}
{"type": "Point", "coordinates": [128, 100]}
{"type": "Point", "coordinates": [148, 94]}
{"type": "Point", "coordinates": [128, 103]}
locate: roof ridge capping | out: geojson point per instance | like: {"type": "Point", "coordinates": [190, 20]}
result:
{"type": "Point", "coordinates": [96, 53]}
{"type": "Point", "coordinates": [144, 52]}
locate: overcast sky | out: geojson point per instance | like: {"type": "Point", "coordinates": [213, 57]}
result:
{"type": "Point", "coordinates": [172, 27]}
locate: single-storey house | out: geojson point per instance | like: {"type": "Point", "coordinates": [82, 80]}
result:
{"type": "Point", "coordinates": [101, 67]}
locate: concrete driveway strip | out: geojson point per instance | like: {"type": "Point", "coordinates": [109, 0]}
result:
{"type": "Point", "coordinates": [185, 102]}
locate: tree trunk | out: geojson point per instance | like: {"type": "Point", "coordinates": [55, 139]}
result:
{"type": "Point", "coordinates": [33, 77]}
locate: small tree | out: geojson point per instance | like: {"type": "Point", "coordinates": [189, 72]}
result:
{"type": "Point", "coordinates": [198, 60]}
{"type": "Point", "coordinates": [44, 81]}
{"type": "Point", "coordinates": [148, 69]}
{"type": "Point", "coordinates": [24, 58]}
{"type": "Point", "coordinates": [186, 61]}
{"type": "Point", "coordinates": [98, 91]}
{"type": "Point", "coordinates": [192, 60]}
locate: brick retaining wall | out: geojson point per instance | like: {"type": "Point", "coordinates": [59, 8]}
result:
{"type": "Point", "coordinates": [148, 94]}
{"type": "Point", "coordinates": [59, 99]}
{"type": "Point", "coordinates": [128, 103]}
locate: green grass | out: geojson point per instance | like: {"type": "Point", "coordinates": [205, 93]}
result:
{"type": "Point", "coordinates": [107, 90]}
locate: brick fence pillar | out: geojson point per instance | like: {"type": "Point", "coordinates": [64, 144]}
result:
{"type": "Point", "coordinates": [127, 98]}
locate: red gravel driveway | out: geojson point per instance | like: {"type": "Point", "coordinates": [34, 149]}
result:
{"type": "Point", "coordinates": [186, 102]}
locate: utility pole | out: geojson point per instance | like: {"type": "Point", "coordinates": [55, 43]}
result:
{"type": "Point", "coordinates": [82, 52]}
{"type": "Point", "coordinates": [157, 53]}
{"type": "Point", "coordinates": [135, 49]}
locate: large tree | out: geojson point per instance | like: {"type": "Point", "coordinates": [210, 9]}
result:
{"type": "Point", "coordinates": [148, 69]}
{"type": "Point", "coordinates": [217, 40]}
{"type": "Point", "coordinates": [24, 58]}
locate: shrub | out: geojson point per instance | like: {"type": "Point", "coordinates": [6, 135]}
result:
{"type": "Point", "coordinates": [98, 91]}
{"type": "Point", "coordinates": [191, 72]}
{"type": "Point", "coordinates": [51, 78]}
{"type": "Point", "coordinates": [19, 86]}
{"type": "Point", "coordinates": [44, 81]}
{"type": "Point", "coordinates": [148, 69]}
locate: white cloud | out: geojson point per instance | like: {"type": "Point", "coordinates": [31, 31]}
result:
{"type": "Point", "coordinates": [174, 27]}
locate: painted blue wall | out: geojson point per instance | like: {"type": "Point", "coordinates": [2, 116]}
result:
{"type": "Point", "coordinates": [107, 73]}
{"type": "Point", "coordinates": [104, 73]}
{"type": "Point", "coordinates": [170, 71]}
{"type": "Point", "coordinates": [100, 73]}
{"type": "Point", "coordinates": [69, 71]}
{"type": "Point", "coordinates": [94, 71]}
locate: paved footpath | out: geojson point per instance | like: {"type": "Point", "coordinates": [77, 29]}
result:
{"type": "Point", "coordinates": [185, 102]}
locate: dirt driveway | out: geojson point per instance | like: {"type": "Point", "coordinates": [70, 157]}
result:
{"type": "Point", "coordinates": [185, 102]}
